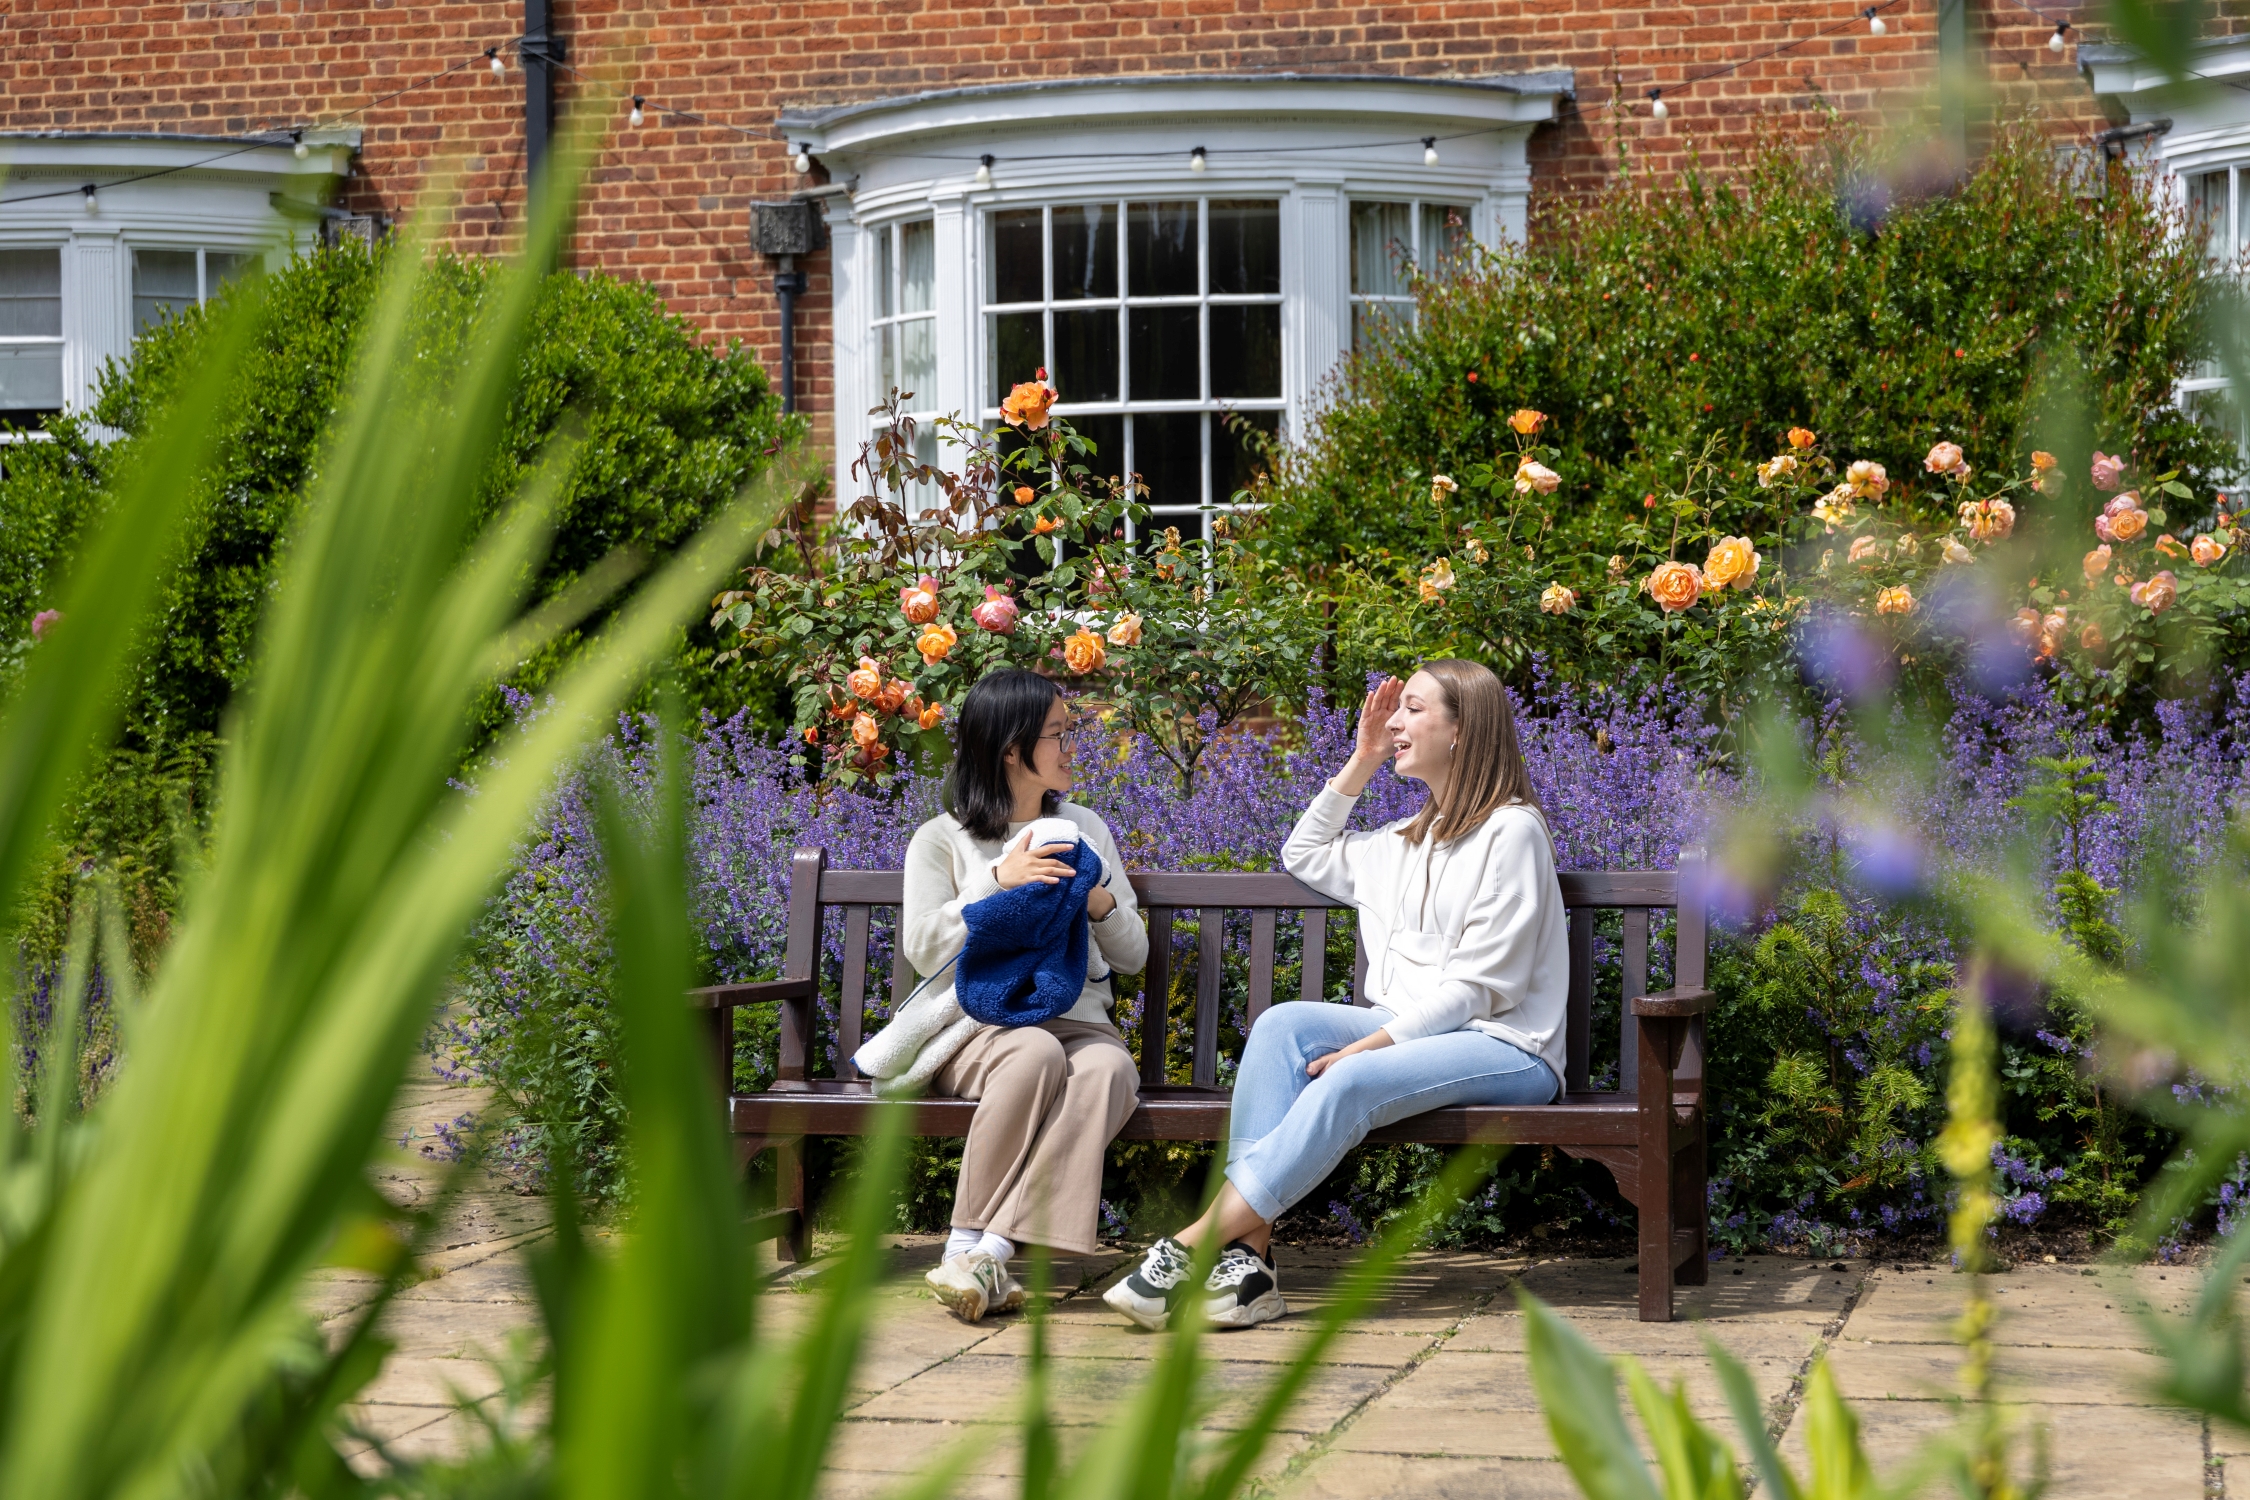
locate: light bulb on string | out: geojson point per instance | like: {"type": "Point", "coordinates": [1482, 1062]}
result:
{"type": "Point", "coordinates": [2055, 42]}
{"type": "Point", "coordinates": [1197, 161]}
{"type": "Point", "coordinates": [634, 119]}
{"type": "Point", "coordinates": [984, 171]}
{"type": "Point", "coordinates": [1656, 103]}
{"type": "Point", "coordinates": [499, 68]}
{"type": "Point", "coordinates": [802, 161]}
{"type": "Point", "coordinates": [1875, 26]}
{"type": "Point", "coordinates": [93, 204]}
{"type": "Point", "coordinates": [299, 150]}
{"type": "Point", "coordinates": [1429, 151]}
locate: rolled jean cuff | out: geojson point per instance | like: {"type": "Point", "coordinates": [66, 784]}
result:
{"type": "Point", "coordinates": [1255, 1193]}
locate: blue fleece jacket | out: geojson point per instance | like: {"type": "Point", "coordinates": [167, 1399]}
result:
{"type": "Point", "coordinates": [1024, 961]}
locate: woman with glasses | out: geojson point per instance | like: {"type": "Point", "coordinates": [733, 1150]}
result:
{"type": "Point", "coordinates": [1050, 1097]}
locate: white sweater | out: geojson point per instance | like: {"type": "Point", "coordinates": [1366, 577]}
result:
{"type": "Point", "coordinates": [947, 870]}
{"type": "Point", "coordinates": [1468, 933]}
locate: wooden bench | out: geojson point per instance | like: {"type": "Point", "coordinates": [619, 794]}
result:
{"type": "Point", "coordinates": [1649, 1131]}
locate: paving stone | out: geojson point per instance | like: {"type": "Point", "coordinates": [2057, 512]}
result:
{"type": "Point", "coordinates": [1268, 1343]}
{"type": "Point", "coordinates": [977, 1387]}
{"type": "Point", "coordinates": [2056, 1376]}
{"type": "Point", "coordinates": [1772, 1288]}
{"type": "Point", "coordinates": [905, 1447]}
{"type": "Point", "coordinates": [1368, 1476]}
{"type": "Point", "coordinates": [2093, 1452]}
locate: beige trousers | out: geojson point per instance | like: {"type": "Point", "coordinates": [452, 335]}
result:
{"type": "Point", "coordinates": [1050, 1098]}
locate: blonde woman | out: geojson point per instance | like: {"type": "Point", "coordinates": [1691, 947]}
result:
{"type": "Point", "coordinates": [1468, 970]}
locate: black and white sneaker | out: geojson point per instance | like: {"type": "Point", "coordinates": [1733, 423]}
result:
{"type": "Point", "coordinates": [1242, 1290]}
{"type": "Point", "coordinates": [1149, 1293]}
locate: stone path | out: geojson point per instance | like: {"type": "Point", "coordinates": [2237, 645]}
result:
{"type": "Point", "coordinates": [1427, 1396]}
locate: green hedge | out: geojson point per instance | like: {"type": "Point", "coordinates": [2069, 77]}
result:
{"type": "Point", "coordinates": [667, 429]}
{"type": "Point", "coordinates": [1743, 303]}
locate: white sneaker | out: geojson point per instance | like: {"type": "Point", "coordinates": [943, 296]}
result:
{"type": "Point", "coordinates": [1242, 1289]}
{"type": "Point", "coordinates": [1149, 1292]}
{"type": "Point", "coordinates": [973, 1285]}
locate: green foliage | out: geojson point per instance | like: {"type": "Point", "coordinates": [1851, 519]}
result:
{"type": "Point", "coordinates": [1740, 305]}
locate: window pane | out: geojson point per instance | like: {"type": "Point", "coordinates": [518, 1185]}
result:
{"type": "Point", "coordinates": [1018, 350]}
{"type": "Point", "coordinates": [1380, 249]}
{"type": "Point", "coordinates": [1107, 434]}
{"type": "Point", "coordinates": [2215, 409]}
{"type": "Point", "coordinates": [1166, 354]}
{"type": "Point", "coordinates": [223, 266]}
{"type": "Point", "coordinates": [917, 267]}
{"type": "Point", "coordinates": [1245, 248]}
{"type": "Point", "coordinates": [163, 284]}
{"type": "Point", "coordinates": [886, 263]}
{"type": "Point", "coordinates": [1160, 249]}
{"type": "Point", "coordinates": [887, 371]}
{"type": "Point", "coordinates": [1085, 251]}
{"type": "Point", "coordinates": [1445, 237]}
{"type": "Point", "coordinates": [1018, 258]}
{"type": "Point", "coordinates": [31, 295]}
{"type": "Point", "coordinates": [31, 378]}
{"type": "Point", "coordinates": [1238, 456]}
{"type": "Point", "coordinates": [2207, 211]}
{"type": "Point", "coordinates": [1085, 366]}
{"type": "Point", "coordinates": [917, 360]}
{"type": "Point", "coordinates": [1246, 350]}
{"type": "Point", "coordinates": [1168, 455]}
{"type": "Point", "coordinates": [1373, 323]}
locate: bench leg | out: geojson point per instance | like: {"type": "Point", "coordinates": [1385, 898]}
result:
{"type": "Point", "coordinates": [1658, 1191]}
{"type": "Point", "coordinates": [1691, 1209]}
{"type": "Point", "coordinates": [795, 1244]}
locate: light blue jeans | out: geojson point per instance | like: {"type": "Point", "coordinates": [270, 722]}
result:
{"type": "Point", "coordinates": [1288, 1131]}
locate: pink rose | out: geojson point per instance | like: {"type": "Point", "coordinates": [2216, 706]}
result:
{"type": "Point", "coordinates": [2109, 470]}
{"type": "Point", "coordinates": [998, 612]}
{"type": "Point", "coordinates": [44, 621]}
{"type": "Point", "coordinates": [1945, 458]}
{"type": "Point", "coordinates": [2157, 594]}
{"type": "Point", "coordinates": [2119, 504]}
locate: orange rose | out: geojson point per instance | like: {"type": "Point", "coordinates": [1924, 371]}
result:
{"type": "Point", "coordinates": [812, 734]}
{"type": "Point", "coordinates": [893, 696]}
{"type": "Point", "coordinates": [2041, 461]}
{"type": "Point", "coordinates": [1526, 421]}
{"type": "Point", "coordinates": [1436, 579]}
{"type": "Point", "coordinates": [919, 602]}
{"type": "Point", "coordinates": [1127, 630]}
{"type": "Point", "coordinates": [2095, 563]}
{"type": "Point", "coordinates": [1044, 525]}
{"type": "Point", "coordinates": [1027, 404]}
{"type": "Point", "coordinates": [865, 731]}
{"type": "Point", "coordinates": [1896, 600]}
{"type": "Point", "coordinates": [1867, 478]}
{"type": "Point", "coordinates": [936, 642]}
{"type": "Point", "coordinates": [1024, 494]}
{"type": "Point", "coordinates": [1801, 437]}
{"type": "Point", "coordinates": [931, 715]}
{"type": "Point", "coordinates": [2090, 637]}
{"type": "Point", "coordinates": [1733, 563]}
{"type": "Point", "coordinates": [867, 682]}
{"type": "Point", "coordinates": [1866, 549]}
{"type": "Point", "coordinates": [1557, 600]}
{"type": "Point", "coordinates": [1945, 458]}
{"type": "Point", "coordinates": [2026, 625]}
{"type": "Point", "coordinates": [2157, 594]}
{"type": "Point", "coordinates": [844, 710]}
{"type": "Point", "coordinates": [2206, 550]}
{"type": "Point", "coordinates": [1675, 586]}
{"type": "Point", "coordinates": [1988, 520]}
{"type": "Point", "coordinates": [2169, 545]}
{"type": "Point", "coordinates": [1083, 652]}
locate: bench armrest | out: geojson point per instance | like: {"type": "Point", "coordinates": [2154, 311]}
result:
{"type": "Point", "coordinates": [723, 996]}
{"type": "Point", "coordinates": [1686, 1000]}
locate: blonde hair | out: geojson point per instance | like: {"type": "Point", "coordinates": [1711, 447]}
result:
{"type": "Point", "coordinates": [1488, 767]}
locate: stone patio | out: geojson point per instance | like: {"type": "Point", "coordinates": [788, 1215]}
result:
{"type": "Point", "coordinates": [1427, 1396]}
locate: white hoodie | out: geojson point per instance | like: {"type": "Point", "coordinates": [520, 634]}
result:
{"type": "Point", "coordinates": [1467, 933]}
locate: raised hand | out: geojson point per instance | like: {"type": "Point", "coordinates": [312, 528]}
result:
{"type": "Point", "coordinates": [1374, 744]}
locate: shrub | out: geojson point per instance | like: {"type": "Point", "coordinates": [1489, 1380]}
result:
{"type": "Point", "coordinates": [660, 431]}
{"type": "Point", "coordinates": [1744, 303]}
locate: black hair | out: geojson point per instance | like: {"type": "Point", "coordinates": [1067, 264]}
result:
{"type": "Point", "coordinates": [1006, 707]}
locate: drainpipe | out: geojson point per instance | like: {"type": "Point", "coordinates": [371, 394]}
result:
{"type": "Point", "coordinates": [540, 50]}
{"type": "Point", "coordinates": [786, 231]}
{"type": "Point", "coordinates": [788, 286]}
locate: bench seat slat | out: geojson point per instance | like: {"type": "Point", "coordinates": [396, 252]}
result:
{"type": "Point", "coordinates": [1243, 889]}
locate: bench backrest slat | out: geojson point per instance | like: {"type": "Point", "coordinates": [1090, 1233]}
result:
{"type": "Point", "coordinates": [1263, 896]}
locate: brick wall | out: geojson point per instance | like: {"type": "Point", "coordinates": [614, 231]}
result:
{"type": "Point", "coordinates": [669, 203]}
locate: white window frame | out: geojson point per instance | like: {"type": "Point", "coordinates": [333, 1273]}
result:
{"type": "Point", "coordinates": [33, 341]}
{"type": "Point", "coordinates": [1416, 256]}
{"type": "Point", "coordinates": [204, 290]}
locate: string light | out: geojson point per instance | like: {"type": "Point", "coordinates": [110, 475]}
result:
{"type": "Point", "coordinates": [300, 150]}
{"type": "Point", "coordinates": [93, 204]}
{"type": "Point", "coordinates": [802, 161]}
{"type": "Point", "coordinates": [1656, 103]}
{"type": "Point", "coordinates": [984, 171]}
{"type": "Point", "coordinates": [2055, 42]}
{"type": "Point", "coordinates": [1196, 160]}
{"type": "Point", "coordinates": [1429, 151]}
{"type": "Point", "coordinates": [499, 68]}
{"type": "Point", "coordinates": [634, 119]}
{"type": "Point", "coordinates": [1875, 26]}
